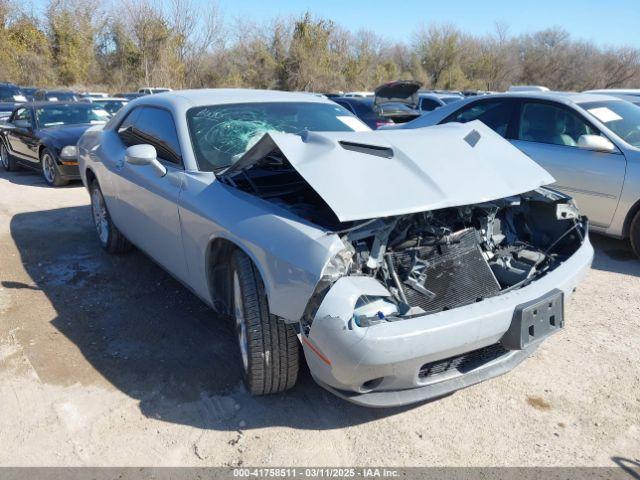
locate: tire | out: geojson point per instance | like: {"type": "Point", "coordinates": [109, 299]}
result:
{"type": "Point", "coordinates": [7, 161]}
{"type": "Point", "coordinates": [50, 170]}
{"type": "Point", "coordinates": [110, 238]}
{"type": "Point", "coordinates": [269, 350]}
{"type": "Point", "coordinates": [634, 234]}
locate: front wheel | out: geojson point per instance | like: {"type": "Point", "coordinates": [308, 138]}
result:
{"type": "Point", "coordinates": [50, 170]}
{"type": "Point", "coordinates": [634, 234]}
{"type": "Point", "coordinates": [111, 239]}
{"type": "Point", "coordinates": [268, 347]}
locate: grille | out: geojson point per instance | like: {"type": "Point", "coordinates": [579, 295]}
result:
{"type": "Point", "coordinates": [457, 274]}
{"type": "Point", "coordinates": [463, 363]}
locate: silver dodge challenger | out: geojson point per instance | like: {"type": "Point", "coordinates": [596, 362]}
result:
{"type": "Point", "coordinates": [404, 264]}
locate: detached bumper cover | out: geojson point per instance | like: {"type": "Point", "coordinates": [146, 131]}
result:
{"type": "Point", "coordinates": [391, 355]}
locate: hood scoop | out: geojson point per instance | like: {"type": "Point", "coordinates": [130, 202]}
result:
{"type": "Point", "coordinates": [362, 175]}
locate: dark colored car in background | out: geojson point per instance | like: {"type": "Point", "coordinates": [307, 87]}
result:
{"type": "Point", "coordinates": [55, 96]}
{"type": "Point", "coordinates": [430, 101]}
{"type": "Point", "coordinates": [363, 109]}
{"type": "Point", "coordinates": [398, 102]}
{"type": "Point", "coordinates": [43, 136]}
{"type": "Point", "coordinates": [29, 92]}
{"type": "Point", "coordinates": [10, 97]}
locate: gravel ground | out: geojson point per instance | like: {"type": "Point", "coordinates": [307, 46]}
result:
{"type": "Point", "coordinates": [106, 360]}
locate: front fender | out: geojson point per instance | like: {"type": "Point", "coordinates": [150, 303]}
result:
{"type": "Point", "coordinates": [289, 254]}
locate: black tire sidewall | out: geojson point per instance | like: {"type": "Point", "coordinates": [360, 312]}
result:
{"type": "Point", "coordinates": [634, 234]}
{"type": "Point", "coordinates": [237, 268]}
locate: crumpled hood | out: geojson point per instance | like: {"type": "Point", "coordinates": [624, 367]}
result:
{"type": "Point", "coordinates": [362, 175]}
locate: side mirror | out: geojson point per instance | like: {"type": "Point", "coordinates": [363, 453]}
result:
{"type": "Point", "coordinates": [597, 143]}
{"type": "Point", "coordinates": [26, 124]}
{"type": "Point", "coordinates": [145, 155]}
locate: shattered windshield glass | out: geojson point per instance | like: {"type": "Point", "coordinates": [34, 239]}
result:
{"type": "Point", "coordinates": [221, 134]}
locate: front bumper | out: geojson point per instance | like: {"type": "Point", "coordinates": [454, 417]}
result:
{"type": "Point", "coordinates": [70, 171]}
{"type": "Point", "coordinates": [343, 357]}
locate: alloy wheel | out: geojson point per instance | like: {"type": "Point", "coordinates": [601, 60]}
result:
{"type": "Point", "coordinates": [48, 168]}
{"type": "Point", "coordinates": [100, 216]}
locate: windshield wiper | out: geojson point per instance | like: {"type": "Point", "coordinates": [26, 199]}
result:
{"type": "Point", "coordinates": [220, 170]}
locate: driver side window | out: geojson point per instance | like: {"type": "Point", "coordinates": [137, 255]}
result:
{"type": "Point", "coordinates": [555, 125]}
{"type": "Point", "coordinates": [22, 118]}
{"type": "Point", "coordinates": [153, 126]}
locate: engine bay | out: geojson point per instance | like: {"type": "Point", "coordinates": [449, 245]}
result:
{"type": "Point", "coordinates": [436, 261]}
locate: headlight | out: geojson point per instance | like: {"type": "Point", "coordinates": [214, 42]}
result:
{"type": "Point", "coordinates": [568, 210]}
{"type": "Point", "coordinates": [371, 310]}
{"type": "Point", "coordinates": [338, 266]}
{"type": "Point", "coordinates": [69, 151]}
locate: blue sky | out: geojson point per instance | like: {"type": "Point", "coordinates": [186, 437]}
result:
{"type": "Point", "coordinates": [612, 22]}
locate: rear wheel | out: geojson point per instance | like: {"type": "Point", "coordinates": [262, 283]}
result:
{"type": "Point", "coordinates": [268, 347]}
{"type": "Point", "coordinates": [634, 234]}
{"type": "Point", "coordinates": [111, 239]}
{"type": "Point", "coordinates": [8, 162]}
{"type": "Point", "coordinates": [50, 170]}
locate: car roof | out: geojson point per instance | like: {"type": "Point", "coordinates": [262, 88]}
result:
{"type": "Point", "coordinates": [46, 90]}
{"type": "Point", "coordinates": [617, 91]}
{"type": "Point", "coordinates": [107, 99]}
{"type": "Point", "coordinates": [561, 97]}
{"type": "Point", "coordinates": [635, 99]}
{"type": "Point", "coordinates": [44, 103]}
{"type": "Point", "coordinates": [185, 99]}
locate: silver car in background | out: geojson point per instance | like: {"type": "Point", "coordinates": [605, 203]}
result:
{"type": "Point", "coordinates": [406, 264]}
{"type": "Point", "coordinates": [590, 143]}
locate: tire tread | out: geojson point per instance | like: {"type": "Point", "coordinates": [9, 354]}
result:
{"type": "Point", "coordinates": [273, 344]}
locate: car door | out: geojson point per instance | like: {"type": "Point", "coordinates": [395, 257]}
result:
{"type": "Point", "coordinates": [147, 207]}
{"type": "Point", "coordinates": [548, 132]}
{"type": "Point", "coordinates": [22, 137]}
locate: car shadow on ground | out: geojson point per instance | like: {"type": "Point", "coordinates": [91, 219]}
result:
{"type": "Point", "coordinates": [32, 178]}
{"type": "Point", "coordinates": [613, 255]}
{"type": "Point", "coordinates": [152, 338]}
{"type": "Point", "coordinates": [630, 466]}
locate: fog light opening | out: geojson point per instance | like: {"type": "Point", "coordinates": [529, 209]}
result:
{"type": "Point", "coordinates": [371, 385]}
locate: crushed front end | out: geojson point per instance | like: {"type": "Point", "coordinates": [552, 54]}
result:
{"type": "Point", "coordinates": [417, 306]}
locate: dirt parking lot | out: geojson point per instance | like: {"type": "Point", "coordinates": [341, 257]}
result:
{"type": "Point", "coordinates": [106, 360]}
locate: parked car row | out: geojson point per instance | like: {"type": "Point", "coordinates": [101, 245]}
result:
{"type": "Point", "coordinates": [43, 135]}
{"type": "Point", "coordinates": [40, 127]}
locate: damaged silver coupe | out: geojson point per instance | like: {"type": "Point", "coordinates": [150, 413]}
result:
{"type": "Point", "coordinates": [406, 264]}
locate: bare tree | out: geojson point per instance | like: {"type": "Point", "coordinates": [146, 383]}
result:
{"type": "Point", "coordinates": [197, 30]}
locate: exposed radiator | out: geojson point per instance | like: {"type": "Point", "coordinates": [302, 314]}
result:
{"type": "Point", "coordinates": [456, 273]}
